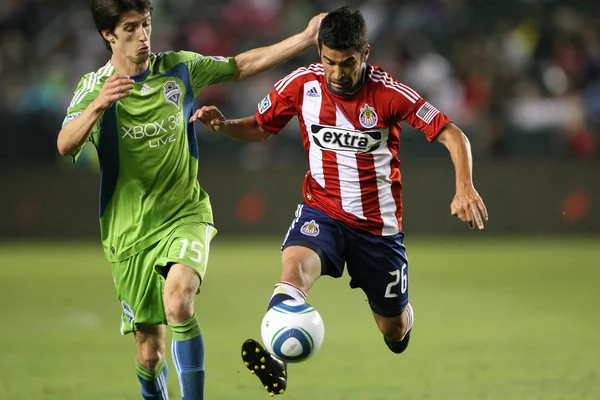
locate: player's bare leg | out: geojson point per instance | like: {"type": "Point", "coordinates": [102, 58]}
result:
{"type": "Point", "coordinates": [301, 267]}
{"type": "Point", "coordinates": [396, 330]}
{"type": "Point", "coordinates": [187, 347]}
{"type": "Point", "coordinates": [151, 367]}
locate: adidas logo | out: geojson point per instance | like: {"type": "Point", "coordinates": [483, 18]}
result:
{"type": "Point", "coordinates": [145, 89]}
{"type": "Point", "coordinates": [312, 92]}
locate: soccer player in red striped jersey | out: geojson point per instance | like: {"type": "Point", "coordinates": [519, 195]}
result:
{"type": "Point", "coordinates": [350, 116]}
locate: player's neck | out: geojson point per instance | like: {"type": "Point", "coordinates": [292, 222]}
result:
{"type": "Point", "coordinates": [128, 67]}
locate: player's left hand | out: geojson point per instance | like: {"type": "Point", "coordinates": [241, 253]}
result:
{"type": "Point", "coordinates": [312, 30]}
{"type": "Point", "coordinates": [468, 206]}
{"type": "Point", "coordinates": [211, 117]}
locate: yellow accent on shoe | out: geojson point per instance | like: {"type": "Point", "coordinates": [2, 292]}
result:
{"type": "Point", "coordinates": [262, 360]}
{"type": "Point", "coordinates": [257, 350]}
{"type": "Point", "coordinates": [246, 363]}
{"type": "Point", "coordinates": [244, 353]}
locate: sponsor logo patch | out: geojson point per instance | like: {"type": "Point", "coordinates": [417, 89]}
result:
{"type": "Point", "coordinates": [340, 139]}
{"type": "Point", "coordinates": [145, 89]}
{"type": "Point", "coordinates": [312, 92]}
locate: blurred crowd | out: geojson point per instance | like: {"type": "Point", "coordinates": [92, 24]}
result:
{"type": "Point", "coordinates": [521, 78]}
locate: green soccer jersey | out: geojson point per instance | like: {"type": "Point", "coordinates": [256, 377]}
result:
{"type": "Point", "coordinates": [148, 151]}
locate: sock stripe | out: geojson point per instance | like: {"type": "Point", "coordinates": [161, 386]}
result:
{"type": "Point", "coordinates": [410, 320]}
{"type": "Point", "coordinates": [177, 364]}
{"type": "Point", "coordinates": [163, 387]}
{"type": "Point", "coordinates": [285, 283]}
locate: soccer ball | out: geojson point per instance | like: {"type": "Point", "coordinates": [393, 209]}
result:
{"type": "Point", "coordinates": [292, 331]}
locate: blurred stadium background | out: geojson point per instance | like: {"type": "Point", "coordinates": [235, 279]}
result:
{"type": "Point", "coordinates": [507, 313]}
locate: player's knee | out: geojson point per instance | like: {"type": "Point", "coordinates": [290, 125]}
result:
{"type": "Point", "coordinates": [178, 306]}
{"type": "Point", "coordinates": [179, 298]}
{"type": "Point", "coordinates": [150, 350]}
{"type": "Point", "coordinates": [392, 331]}
{"type": "Point", "coordinates": [151, 358]}
{"type": "Point", "coordinates": [392, 328]}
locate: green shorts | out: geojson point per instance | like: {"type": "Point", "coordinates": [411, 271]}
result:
{"type": "Point", "coordinates": [140, 279]}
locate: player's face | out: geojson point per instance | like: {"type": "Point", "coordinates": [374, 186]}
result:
{"type": "Point", "coordinates": [132, 37]}
{"type": "Point", "coordinates": [343, 68]}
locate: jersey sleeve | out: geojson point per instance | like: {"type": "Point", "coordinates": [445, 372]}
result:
{"type": "Point", "coordinates": [408, 106]}
{"type": "Point", "coordinates": [276, 109]}
{"type": "Point", "coordinates": [208, 70]}
{"type": "Point", "coordinates": [87, 90]}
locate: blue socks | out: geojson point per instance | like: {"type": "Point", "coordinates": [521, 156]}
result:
{"type": "Point", "coordinates": [187, 350]}
{"type": "Point", "coordinates": [154, 384]}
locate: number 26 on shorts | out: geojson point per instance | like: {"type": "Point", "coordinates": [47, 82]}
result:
{"type": "Point", "coordinates": [401, 277]}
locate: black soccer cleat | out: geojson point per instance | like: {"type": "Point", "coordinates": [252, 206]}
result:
{"type": "Point", "coordinates": [271, 371]}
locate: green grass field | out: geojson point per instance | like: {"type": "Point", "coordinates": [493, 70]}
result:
{"type": "Point", "coordinates": [495, 318]}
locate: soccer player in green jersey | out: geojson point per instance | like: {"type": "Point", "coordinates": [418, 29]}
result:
{"type": "Point", "coordinates": [155, 220]}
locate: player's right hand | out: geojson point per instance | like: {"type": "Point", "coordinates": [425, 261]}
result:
{"type": "Point", "coordinates": [115, 88]}
{"type": "Point", "coordinates": [211, 117]}
{"type": "Point", "coordinates": [312, 29]}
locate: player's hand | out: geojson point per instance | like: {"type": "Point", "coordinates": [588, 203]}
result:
{"type": "Point", "coordinates": [468, 206]}
{"type": "Point", "coordinates": [312, 30]}
{"type": "Point", "coordinates": [115, 88]}
{"type": "Point", "coordinates": [211, 117]}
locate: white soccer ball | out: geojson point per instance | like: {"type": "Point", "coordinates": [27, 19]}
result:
{"type": "Point", "coordinates": [292, 331]}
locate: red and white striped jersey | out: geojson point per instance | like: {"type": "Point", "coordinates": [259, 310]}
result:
{"type": "Point", "coordinates": [352, 142]}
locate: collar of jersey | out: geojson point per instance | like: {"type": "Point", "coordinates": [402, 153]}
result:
{"type": "Point", "coordinates": [364, 78]}
{"type": "Point", "coordinates": [141, 77]}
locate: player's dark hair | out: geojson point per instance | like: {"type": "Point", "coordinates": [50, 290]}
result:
{"type": "Point", "coordinates": [343, 28]}
{"type": "Point", "coordinates": [107, 13]}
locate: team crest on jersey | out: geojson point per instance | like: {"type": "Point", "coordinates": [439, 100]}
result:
{"type": "Point", "coordinates": [172, 92]}
{"type": "Point", "coordinates": [128, 312]}
{"type": "Point", "coordinates": [310, 228]}
{"type": "Point", "coordinates": [368, 117]}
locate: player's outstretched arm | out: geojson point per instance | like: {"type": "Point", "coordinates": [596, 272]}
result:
{"type": "Point", "coordinates": [75, 133]}
{"type": "Point", "coordinates": [243, 129]}
{"type": "Point", "coordinates": [258, 60]}
{"type": "Point", "coordinates": [467, 205]}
